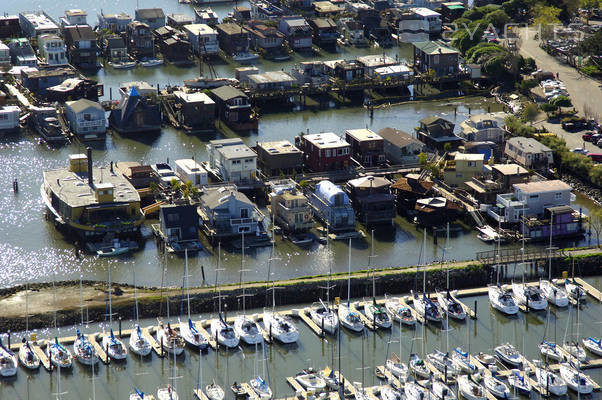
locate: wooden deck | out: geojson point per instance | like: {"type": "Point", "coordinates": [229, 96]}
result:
{"type": "Point", "coordinates": [305, 317]}
{"type": "Point", "coordinates": [199, 394]}
{"type": "Point", "coordinates": [250, 392]}
{"type": "Point", "coordinates": [146, 333]}
{"type": "Point", "coordinates": [385, 374]}
{"type": "Point", "coordinates": [296, 386]}
{"type": "Point", "coordinates": [592, 291]}
{"type": "Point", "coordinates": [100, 352]}
{"type": "Point", "coordinates": [44, 360]}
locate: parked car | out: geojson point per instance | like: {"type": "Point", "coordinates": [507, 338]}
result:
{"type": "Point", "coordinates": [599, 143]}
{"type": "Point", "coordinates": [587, 136]}
{"type": "Point", "coordinates": [579, 150]}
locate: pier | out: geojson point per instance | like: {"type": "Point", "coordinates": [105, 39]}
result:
{"type": "Point", "coordinates": [305, 317]}
{"type": "Point", "coordinates": [44, 360]}
{"type": "Point", "coordinates": [153, 342]}
{"type": "Point", "coordinates": [103, 356]}
{"type": "Point", "coordinates": [592, 291]}
{"type": "Point", "coordinates": [384, 373]}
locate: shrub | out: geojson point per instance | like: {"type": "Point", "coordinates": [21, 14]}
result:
{"type": "Point", "coordinates": [561, 101]}
{"type": "Point", "coordinates": [548, 107]}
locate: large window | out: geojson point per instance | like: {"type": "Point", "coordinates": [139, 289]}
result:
{"type": "Point", "coordinates": [244, 213]}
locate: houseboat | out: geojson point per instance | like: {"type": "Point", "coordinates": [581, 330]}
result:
{"type": "Point", "coordinates": [331, 206]}
{"type": "Point", "coordinates": [9, 119]}
{"type": "Point", "coordinates": [178, 228]}
{"type": "Point", "coordinates": [290, 210]}
{"type": "Point", "coordinates": [136, 112]}
{"type": "Point", "coordinates": [372, 200]}
{"type": "Point", "coordinates": [44, 121]}
{"type": "Point", "coordinates": [91, 203]}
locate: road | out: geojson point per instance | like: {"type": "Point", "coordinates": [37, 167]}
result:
{"type": "Point", "coordinates": [586, 93]}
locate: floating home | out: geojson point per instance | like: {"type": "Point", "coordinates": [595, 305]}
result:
{"type": "Point", "coordinates": [232, 161]}
{"type": "Point", "coordinates": [86, 119]}
{"type": "Point", "coordinates": [91, 202]}
{"type": "Point", "coordinates": [178, 228]}
{"type": "Point", "coordinates": [9, 119]}
{"type": "Point", "coordinates": [234, 108]}
{"type": "Point", "coordinates": [289, 207]}
{"type": "Point", "coordinates": [367, 147]}
{"type": "Point", "coordinates": [44, 121]}
{"type": "Point", "coordinates": [136, 113]}
{"type": "Point", "coordinates": [279, 157]}
{"type": "Point", "coordinates": [372, 200]}
{"type": "Point", "coordinates": [188, 170]}
{"type": "Point", "coordinates": [332, 207]}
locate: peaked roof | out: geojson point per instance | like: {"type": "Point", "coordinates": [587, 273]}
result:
{"type": "Point", "coordinates": [436, 47]}
{"type": "Point", "coordinates": [228, 92]}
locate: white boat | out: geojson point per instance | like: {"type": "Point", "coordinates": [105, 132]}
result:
{"type": "Point", "coordinates": [486, 359]}
{"type": "Point", "coordinates": [508, 354]}
{"type": "Point", "coordinates": [214, 392]}
{"type": "Point", "coordinates": [123, 65]}
{"type": "Point", "coordinates": [114, 346]}
{"type": "Point", "coordinates": [418, 367]}
{"type": "Point", "coordinates": [399, 312]}
{"type": "Point", "coordinates": [496, 387]}
{"type": "Point", "coordinates": [517, 381]}
{"type": "Point", "coordinates": [8, 362]}
{"type": "Point", "coordinates": [529, 295]}
{"type": "Point", "coordinates": [594, 345]}
{"type": "Point", "coordinates": [140, 395]}
{"type": "Point", "coordinates": [397, 368]}
{"type": "Point", "coordinates": [470, 390]}
{"type": "Point", "coordinates": [248, 330]}
{"type": "Point", "coordinates": [554, 293]}
{"type": "Point", "coordinates": [223, 333]}
{"type": "Point", "coordinates": [413, 391]}
{"type": "Point", "coordinates": [261, 388]}
{"type": "Point", "coordinates": [83, 351]}
{"type": "Point", "coordinates": [280, 328]}
{"type": "Point", "coordinates": [376, 313]}
{"type": "Point", "coordinates": [324, 317]}
{"type": "Point", "coordinates": [245, 57]}
{"type": "Point", "coordinates": [502, 300]}
{"type": "Point", "coordinates": [311, 381]}
{"type": "Point", "coordinates": [575, 290]}
{"type": "Point", "coordinates": [28, 358]}
{"type": "Point", "coordinates": [547, 380]}
{"type": "Point", "coordinates": [192, 336]}
{"type": "Point", "coordinates": [462, 360]}
{"type": "Point", "coordinates": [388, 393]}
{"type": "Point", "coordinates": [59, 355]}
{"type": "Point", "coordinates": [451, 306]}
{"type": "Point", "coordinates": [209, 83]}
{"type": "Point", "coordinates": [350, 319]}
{"type": "Point", "coordinates": [426, 308]}
{"type": "Point", "coordinates": [575, 349]}
{"type": "Point", "coordinates": [151, 62]}
{"type": "Point", "coordinates": [171, 341]}
{"type": "Point", "coordinates": [167, 393]}
{"type": "Point", "coordinates": [443, 361]}
{"type": "Point", "coordinates": [487, 234]}
{"type": "Point", "coordinates": [441, 391]}
{"type": "Point", "coordinates": [138, 343]}
{"type": "Point", "coordinates": [576, 380]}
{"type": "Point", "coordinates": [550, 351]}
{"type": "Point", "coordinates": [330, 378]}
{"type": "Point", "coordinates": [116, 248]}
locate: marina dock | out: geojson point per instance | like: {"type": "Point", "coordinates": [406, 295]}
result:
{"type": "Point", "coordinates": [199, 394]}
{"type": "Point", "coordinates": [469, 311]}
{"type": "Point", "coordinates": [44, 360]}
{"type": "Point", "coordinates": [419, 318]}
{"type": "Point", "coordinates": [305, 317]}
{"type": "Point", "coordinates": [251, 395]}
{"type": "Point", "coordinates": [592, 291]}
{"type": "Point", "coordinates": [299, 390]}
{"type": "Point", "coordinates": [153, 342]}
{"type": "Point", "coordinates": [365, 320]}
{"type": "Point", "coordinates": [100, 352]}
{"type": "Point", "coordinates": [383, 373]}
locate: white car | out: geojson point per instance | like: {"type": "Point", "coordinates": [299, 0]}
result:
{"type": "Point", "coordinates": [580, 150]}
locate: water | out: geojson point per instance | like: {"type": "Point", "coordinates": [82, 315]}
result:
{"type": "Point", "coordinates": [117, 380]}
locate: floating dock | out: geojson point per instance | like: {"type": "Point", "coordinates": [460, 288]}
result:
{"type": "Point", "coordinates": [44, 360]}
{"type": "Point", "coordinates": [296, 386]}
{"type": "Point", "coordinates": [403, 302]}
{"type": "Point", "coordinates": [592, 291]}
{"type": "Point", "coordinates": [100, 352]}
{"type": "Point", "coordinates": [384, 373]}
{"type": "Point", "coordinates": [153, 342]}
{"type": "Point", "coordinates": [469, 311]}
{"type": "Point", "coordinates": [367, 322]}
{"type": "Point", "coordinates": [305, 317]}
{"type": "Point", "coordinates": [199, 394]}
{"type": "Point", "coordinates": [249, 390]}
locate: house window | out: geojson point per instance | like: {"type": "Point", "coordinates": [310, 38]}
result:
{"type": "Point", "coordinates": [472, 163]}
{"type": "Point", "coordinates": [244, 213]}
{"type": "Point", "coordinates": [558, 196]}
{"type": "Point", "coordinates": [327, 153]}
{"type": "Point", "coordinates": [534, 197]}
{"type": "Point", "coordinates": [87, 117]}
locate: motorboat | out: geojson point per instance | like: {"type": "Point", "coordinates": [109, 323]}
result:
{"type": "Point", "coordinates": [116, 248]}
{"type": "Point", "coordinates": [239, 390]}
{"type": "Point", "coordinates": [311, 381]}
{"type": "Point", "coordinates": [575, 349]}
{"type": "Point", "coordinates": [140, 395]}
{"type": "Point", "coordinates": [576, 380]}
{"type": "Point", "coordinates": [418, 367]}
{"type": "Point", "coordinates": [83, 350]}
{"type": "Point", "coordinates": [28, 358]}
{"type": "Point", "coordinates": [192, 336]}
{"type": "Point", "coordinates": [167, 393]}
{"type": "Point", "coordinates": [574, 289]}
{"type": "Point", "coordinates": [426, 308]}
{"type": "Point", "coordinates": [527, 295]}
{"type": "Point", "coordinates": [115, 348]}
{"type": "Point", "coordinates": [280, 327]}
{"type": "Point", "coordinates": [8, 362]}
{"type": "Point", "coordinates": [397, 368]}
{"type": "Point", "coordinates": [248, 330]}
{"type": "Point", "coordinates": [209, 83]}
{"type": "Point", "coordinates": [123, 65]}
{"type": "Point", "coordinates": [451, 306]}
{"type": "Point", "coordinates": [486, 359]}
{"type": "Point", "coordinates": [261, 388]}
{"type": "Point", "coordinates": [550, 351]}
{"type": "Point", "coordinates": [554, 293]}
{"type": "Point", "coordinates": [214, 392]}
{"type": "Point", "coordinates": [245, 57]}
{"type": "Point", "coordinates": [502, 300]}
{"type": "Point", "coordinates": [517, 382]}
{"type": "Point", "coordinates": [443, 362]}
{"type": "Point", "coordinates": [470, 390]}
{"type": "Point", "coordinates": [413, 391]}
{"type": "Point", "coordinates": [549, 381]}
{"type": "Point", "coordinates": [151, 62]}
{"type": "Point", "coordinates": [508, 354]}
{"type": "Point", "coordinates": [388, 393]}
{"type": "Point", "coordinates": [441, 391]}
{"type": "Point", "coordinates": [171, 341]}
{"type": "Point", "coordinates": [487, 234]}
{"type": "Point", "coordinates": [224, 333]}
{"type": "Point", "coordinates": [59, 355]}
{"type": "Point", "coordinates": [594, 345]}
{"type": "Point", "coordinates": [350, 319]}
{"type": "Point", "coordinates": [377, 313]}
{"type": "Point", "coordinates": [138, 343]}
{"type": "Point", "coordinates": [400, 313]}
{"type": "Point", "coordinates": [331, 379]}
{"type": "Point", "coordinates": [462, 360]}
{"type": "Point", "coordinates": [324, 317]}
{"type": "Point", "coordinates": [496, 387]}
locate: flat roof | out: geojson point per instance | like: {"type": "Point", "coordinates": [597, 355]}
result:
{"type": "Point", "coordinates": [190, 166]}
{"type": "Point", "coordinates": [272, 76]}
{"type": "Point", "coordinates": [200, 29]}
{"type": "Point", "coordinates": [363, 134]}
{"type": "Point", "coordinates": [278, 147]}
{"type": "Point", "coordinates": [39, 20]}
{"type": "Point", "coordinates": [510, 169]}
{"type": "Point", "coordinates": [237, 151]}
{"type": "Point", "coordinates": [469, 157]}
{"type": "Point", "coordinates": [542, 186]}
{"type": "Point", "coordinates": [325, 140]}
{"type": "Point", "coordinates": [195, 97]}
{"type": "Point", "coordinates": [425, 12]}
{"type": "Point", "coordinates": [231, 29]}
{"type": "Point", "coordinates": [76, 12]}
{"type": "Point", "coordinates": [377, 60]}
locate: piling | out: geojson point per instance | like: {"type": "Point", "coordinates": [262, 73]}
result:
{"type": "Point", "coordinates": [119, 326]}
{"type": "Point", "coordinates": [203, 275]}
{"type": "Point", "coordinates": [15, 186]}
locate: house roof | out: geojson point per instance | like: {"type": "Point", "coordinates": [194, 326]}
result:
{"type": "Point", "coordinates": [510, 169]}
{"type": "Point", "coordinates": [528, 145]}
{"type": "Point", "coordinates": [115, 42]}
{"type": "Point", "coordinates": [237, 151]}
{"type": "Point", "coordinates": [370, 182]}
{"type": "Point", "coordinates": [425, 12]}
{"type": "Point", "coordinates": [377, 60]}
{"type": "Point", "coordinates": [179, 216]}
{"type": "Point", "coordinates": [542, 186]}
{"type": "Point", "coordinates": [435, 47]}
{"type": "Point", "coordinates": [213, 198]}
{"type": "Point", "coordinates": [363, 134]}
{"type": "Point", "coordinates": [398, 137]}
{"type": "Point", "coordinates": [195, 97]}
{"type": "Point", "coordinates": [561, 210]}
{"type": "Point", "coordinates": [278, 147]}
{"type": "Point", "coordinates": [416, 186]}
{"type": "Point", "coordinates": [325, 140]}
{"type": "Point", "coordinates": [80, 32]}
{"type": "Point", "coordinates": [469, 157]}
{"type": "Point", "coordinates": [200, 29]}
{"type": "Point", "coordinates": [230, 29]}
{"type": "Point", "coordinates": [271, 77]}
{"type": "Point", "coordinates": [180, 18]}
{"type": "Point", "coordinates": [150, 13]}
{"type": "Point", "coordinates": [228, 92]}
{"type": "Point", "coordinates": [323, 23]}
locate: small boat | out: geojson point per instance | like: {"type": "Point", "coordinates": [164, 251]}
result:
{"type": "Point", "coordinates": [324, 317]}
{"type": "Point", "coordinates": [496, 387]}
{"type": "Point", "coordinates": [214, 392]}
{"type": "Point", "coordinates": [245, 57]}
{"type": "Point", "coordinates": [138, 343]}
{"type": "Point", "coordinates": [388, 393]}
{"type": "Point", "coordinates": [139, 395]}
{"type": "Point", "coordinates": [502, 300]}
{"type": "Point", "coordinates": [575, 349]}
{"type": "Point", "coordinates": [576, 380]}
{"type": "Point", "coordinates": [418, 367]}
{"type": "Point", "coordinates": [486, 359]}
{"type": "Point", "coordinates": [311, 381]}
{"type": "Point", "coordinates": [575, 290]}
{"type": "Point", "coordinates": [400, 313]}
{"type": "Point", "coordinates": [487, 234]}
{"type": "Point", "coordinates": [28, 358]}
{"type": "Point", "coordinates": [261, 388]}
{"type": "Point", "coordinates": [442, 361]}
{"type": "Point", "coordinates": [529, 295]}
{"type": "Point", "coordinates": [248, 330]}
{"type": "Point", "coordinates": [462, 361]}
{"type": "Point", "coordinates": [151, 62]}
{"type": "Point", "coordinates": [123, 65]}
{"type": "Point", "coordinates": [167, 393]}
{"type": "Point", "coordinates": [519, 383]}
{"type": "Point", "coordinates": [470, 390]}
{"type": "Point", "coordinates": [171, 340]}
{"type": "Point", "coordinates": [377, 314]}
{"type": "Point", "coordinates": [280, 327]}
{"type": "Point", "coordinates": [83, 351]}
{"type": "Point", "coordinates": [224, 334]}
{"type": "Point", "coordinates": [594, 345]}
{"type": "Point", "coordinates": [209, 83]}
{"type": "Point", "coordinates": [397, 368]}
{"type": "Point", "coordinates": [451, 306]}
{"type": "Point", "coordinates": [508, 354]}
{"type": "Point", "coordinates": [441, 391]}
{"type": "Point", "coordinates": [350, 319]}
{"type": "Point", "coordinates": [426, 307]}
{"type": "Point", "coordinates": [301, 239]}
{"type": "Point", "coordinates": [116, 248]}
{"type": "Point", "coordinates": [115, 348]}
{"type": "Point", "coordinates": [59, 356]}
{"type": "Point", "coordinates": [330, 378]}
{"type": "Point", "coordinates": [550, 351]}
{"type": "Point", "coordinates": [554, 293]}
{"type": "Point", "coordinates": [8, 362]}
{"type": "Point", "coordinates": [413, 391]}
{"type": "Point", "coordinates": [192, 336]}
{"type": "Point", "coordinates": [238, 390]}
{"type": "Point", "coordinates": [547, 380]}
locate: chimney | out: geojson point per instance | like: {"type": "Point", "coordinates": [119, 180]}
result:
{"type": "Point", "coordinates": [90, 176]}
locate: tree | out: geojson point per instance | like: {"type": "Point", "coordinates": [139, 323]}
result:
{"type": "Point", "coordinates": [530, 112]}
{"type": "Point", "coordinates": [595, 223]}
{"type": "Point", "coordinates": [447, 147]}
{"type": "Point", "coordinates": [561, 101]}
{"type": "Point", "coordinates": [422, 157]}
{"type": "Point", "coordinates": [589, 6]}
{"type": "Point", "coordinates": [497, 18]}
{"type": "Point", "coordinates": [545, 17]}
{"type": "Point", "coordinates": [468, 36]}
{"type": "Point", "coordinates": [175, 184]}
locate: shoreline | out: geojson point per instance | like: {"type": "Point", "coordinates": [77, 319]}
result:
{"type": "Point", "coordinates": [151, 302]}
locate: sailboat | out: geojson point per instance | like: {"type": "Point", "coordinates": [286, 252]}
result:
{"type": "Point", "coordinates": [549, 350]}
{"type": "Point", "coordinates": [399, 312]}
{"type": "Point", "coordinates": [140, 395]}
{"type": "Point", "coordinates": [212, 391]}
{"type": "Point", "coordinates": [278, 326]}
{"type": "Point", "coordinates": [311, 380]}
{"type": "Point", "coordinates": [321, 313]}
{"type": "Point", "coordinates": [28, 358]}
{"type": "Point", "coordinates": [418, 367]}
{"type": "Point", "coordinates": [58, 355]}
{"type": "Point", "coordinates": [8, 361]}
{"type": "Point", "coordinates": [526, 295]}
{"type": "Point", "coordinates": [171, 341]}
{"type": "Point", "coordinates": [573, 347]}
{"type": "Point", "coordinates": [138, 343]}
{"type": "Point", "coordinates": [549, 381]}
{"type": "Point", "coordinates": [448, 303]}
{"type": "Point", "coordinates": [500, 298]}
{"type": "Point", "coordinates": [575, 290]}
{"type": "Point", "coordinates": [223, 333]}
{"type": "Point", "coordinates": [259, 384]}
{"type": "Point", "coordinates": [349, 319]}
{"type": "Point", "coordinates": [413, 391]}
{"type": "Point", "coordinates": [576, 380]}
{"type": "Point", "coordinates": [375, 312]}
{"type": "Point", "coordinates": [188, 329]}
{"type": "Point", "coordinates": [594, 345]}
{"type": "Point", "coordinates": [441, 391]}
{"type": "Point", "coordinates": [469, 389]}
{"type": "Point", "coordinates": [246, 328]}
{"type": "Point", "coordinates": [517, 381]}
{"type": "Point", "coordinates": [496, 387]}
{"type": "Point", "coordinates": [114, 346]}
{"type": "Point", "coordinates": [169, 392]}
{"type": "Point", "coordinates": [394, 364]}
{"type": "Point", "coordinates": [462, 358]}
{"type": "Point", "coordinates": [508, 354]}
{"type": "Point", "coordinates": [552, 292]}
{"type": "Point", "coordinates": [424, 306]}
{"type": "Point", "coordinates": [443, 362]}
{"type": "Point", "coordinates": [83, 350]}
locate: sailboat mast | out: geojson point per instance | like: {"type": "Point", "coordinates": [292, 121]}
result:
{"type": "Point", "coordinates": [522, 250]}
{"type": "Point", "coordinates": [349, 274]}
{"type": "Point", "coordinates": [370, 262]}
{"type": "Point", "coordinates": [27, 308]}
{"type": "Point", "coordinates": [187, 283]}
{"type": "Point", "coordinates": [219, 291]}
{"type": "Point", "coordinates": [446, 248]}
{"type": "Point", "coordinates": [110, 303]}
{"type": "Point", "coordinates": [135, 296]}
{"type": "Point", "coordinates": [242, 268]}
{"type": "Point", "coordinates": [423, 261]}
{"type": "Point", "coordinates": [550, 249]}
{"type": "Point", "coordinates": [54, 298]}
{"type": "Point", "coordinates": [81, 302]}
